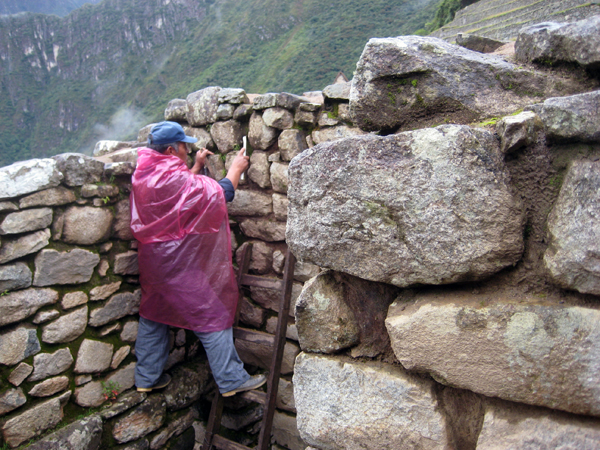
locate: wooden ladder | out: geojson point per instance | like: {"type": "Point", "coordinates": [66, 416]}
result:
{"type": "Point", "coordinates": [277, 341]}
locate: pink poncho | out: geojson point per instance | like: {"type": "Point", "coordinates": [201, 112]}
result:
{"type": "Point", "coordinates": [180, 220]}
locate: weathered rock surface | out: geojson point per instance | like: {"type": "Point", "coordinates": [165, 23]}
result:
{"type": "Point", "coordinates": [11, 400]}
{"type": "Point", "coordinates": [338, 91]}
{"type": "Point", "coordinates": [79, 169]}
{"type": "Point", "coordinates": [18, 375]}
{"type": "Point", "coordinates": [279, 118]}
{"type": "Point", "coordinates": [104, 291]}
{"type": "Point", "coordinates": [573, 118]}
{"type": "Point", "coordinates": [270, 299]}
{"type": "Point", "coordinates": [174, 428]}
{"type": "Point", "coordinates": [259, 169]}
{"type": "Point", "coordinates": [16, 306]}
{"type": "Point", "coordinates": [352, 405]}
{"type": "Point", "coordinates": [202, 106]}
{"type": "Point", "coordinates": [574, 230]}
{"type": "Point", "coordinates": [123, 403]}
{"type": "Point", "coordinates": [119, 305]}
{"type": "Point", "coordinates": [28, 220]}
{"type": "Point", "coordinates": [93, 356]}
{"type": "Point", "coordinates": [265, 229]}
{"type": "Point", "coordinates": [260, 135]}
{"type": "Point", "coordinates": [129, 333]}
{"type": "Point", "coordinates": [48, 364]}
{"type": "Point", "coordinates": [250, 203]}
{"type": "Point", "coordinates": [520, 351]}
{"type": "Point", "coordinates": [126, 263]}
{"type": "Point", "coordinates": [400, 79]}
{"type": "Point", "coordinates": [283, 100]}
{"type": "Point", "coordinates": [334, 133]}
{"type": "Point", "coordinates": [81, 434]}
{"type": "Point", "coordinates": [235, 96]}
{"type": "Point", "coordinates": [432, 206]}
{"type": "Point", "coordinates": [291, 143]}
{"type": "Point", "coordinates": [24, 245]}
{"type": "Point", "coordinates": [261, 259]}
{"type": "Point", "coordinates": [518, 131]}
{"type": "Point", "coordinates": [93, 190]}
{"type": "Point", "coordinates": [260, 355]}
{"type": "Point", "coordinates": [251, 315]}
{"type": "Point", "coordinates": [121, 224]}
{"type": "Point", "coordinates": [71, 267]}
{"type": "Point", "coordinates": [144, 419]}
{"type": "Point", "coordinates": [25, 177]}
{"type": "Point", "coordinates": [279, 177]}
{"type": "Point", "coordinates": [91, 394]}
{"type": "Point", "coordinates": [509, 425]}
{"type": "Point", "coordinates": [225, 112]}
{"type": "Point", "coordinates": [227, 135]}
{"type": "Point", "coordinates": [203, 136]}
{"type": "Point", "coordinates": [187, 385]}
{"type": "Point", "coordinates": [478, 43]}
{"type": "Point", "coordinates": [86, 225]}
{"type": "Point", "coordinates": [73, 299]}
{"type": "Point", "coordinates": [280, 206]}
{"type": "Point", "coordinates": [66, 328]}
{"type": "Point", "coordinates": [49, 387]}
{"type": "Point", "coordinates": [176, 110]}
{"type": "Point", "coordinates": [32, 422]}
{"type": "Point", "coordinates": [551, 43]}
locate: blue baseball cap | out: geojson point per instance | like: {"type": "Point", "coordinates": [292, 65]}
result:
{"type": "Point", "coordinates": [167, 133]}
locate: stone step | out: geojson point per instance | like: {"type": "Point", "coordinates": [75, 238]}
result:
{"type": "Point", "coordinates": [503, 20]}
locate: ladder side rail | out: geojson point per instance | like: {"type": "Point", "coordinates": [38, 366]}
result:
{"type": "Point", "coordinates": [214, 421]}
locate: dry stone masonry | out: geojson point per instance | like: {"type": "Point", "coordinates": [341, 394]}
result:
{"type": "Point", "coordinates": [444, 207]}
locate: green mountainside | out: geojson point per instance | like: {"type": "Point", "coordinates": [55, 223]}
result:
{"type": "Point", "coordinates": [105, 70]}
{"type": "Point", "coordinates": [58, 7]}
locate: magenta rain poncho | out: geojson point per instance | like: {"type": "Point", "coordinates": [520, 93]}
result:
{"type": "Point", "coordinates": [180, 220]}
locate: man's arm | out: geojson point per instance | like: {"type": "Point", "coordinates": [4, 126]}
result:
{"type": "Point", "coordinates": [238, 166]}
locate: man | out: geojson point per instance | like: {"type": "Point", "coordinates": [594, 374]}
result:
{"type": "Point", "coordinates": [180, 221]}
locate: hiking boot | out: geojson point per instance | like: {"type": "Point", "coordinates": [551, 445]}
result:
{"type": "Point", "coordinates": [253, 382]}
{"type": "Point", "coordinates": [162, 382]}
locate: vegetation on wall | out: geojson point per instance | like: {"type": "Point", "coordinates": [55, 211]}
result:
{"type": "Point", "coordinates": [444, 14]}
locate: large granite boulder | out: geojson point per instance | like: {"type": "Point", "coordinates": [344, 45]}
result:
{"type": "Point", "coordinates": [227, 135]}
{"type": "Point", "coordinates": [524, 351]}
{"type": "Point", "coordinates": [551, 43]}
{"type": "Point", "coordinates": [260, 135]}
{"type": "Point", "coordinates": [70, 267]}
{"type": "Point", "coordinates": [30, 176]}
{"type": "Point", "coordinates": [86, 225]}
{"type": "Point", "coordinates": [79, 169]}
{"type": "Point", "coordinates": [351, 405]}
{"type": "Point", "coordinates": [202, 106]}
{"type": "Point", "coordinates": [575, 118]}
{"type": "Point", "coordinates": [574, 229]}
{"type": "Point", "coordinates": [403, 80]}
{"type": "Point", "coordinates": [432, 206]}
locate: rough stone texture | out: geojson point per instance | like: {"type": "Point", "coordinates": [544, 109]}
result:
{"type": "Point", "coordinates": [265, 229]}
{"type": "Point", "coordinates": [280, 206]}
{"type": "Point", "coordinates": [28, 220]}
{"type": "Point", "coordinates": [11, 400]}
{"type": "Point", "coordinates": [285, 396]}
{"type": "Point", "coordinates": [304, 271]}
{"type": "Point", "coordinates": [18, 375]}
{"type": "Point", "coordinates": [16, 306]}
{"type": "Point", "coordinates": [573, 118]}
{"type": "Point", "coordinates": [126, 263]}
{"type": "Point", "coordinates": [120, 226]}
{"type": "Point", "coordinates": [120, 356]}
{"type": "Point", "coordinates": [129, 333]}
{"type": "Point", "coordinates": [123, 403]}
{"type": "Point", "coordinates": [110, 328]}
{"type": "Point", "coordinates": [174, 428]}
{"type": "Point", "coordinates": [24, 245]}
{"type": "Point", "coordinates": [234, 96]}
{"type": "Point", "coordinates": [326, 121]}
{"type": "Point", "coordinates": [291, 331]}
{"type": "Point", "coordinates": [203, 136]}
{"type": "Point", "coordinates": [338, 91]}
{"type": "Point", "coordinates": [269, 298]}
{"type": "Point", "coordinates": [66, 328]}
{"type": "Point", "coordinates": [252, 315]}
{"type": "Point", "coordinates": [86, 225]}
{"type": "Point", "coordinates": [202, 106]}
{"type": "Point", "coordinates": [227, 135]}
{"type": "Point", "coordinates": [176, 110]}
{"type": "Point", "coordinates": [32, 422]}
{"type": "Point", "coordinates": [513, 426]}
{"type": "Point", "coordinates": [306, 118]}
{"type": "Point", "coordinates": [283, 100]}
{"type": "Point", "coordinates": [285, 432]}
{"type": "Point", "coordinates": [119, 305]}
{"type": "Point", "coordinates": [250, 203]}
{"type": "Point", "coordinates": [291, 143]}
{"type": "Point", "coordinates": [103, 267]}
{"type": "Point", "coordinates": [260, 355]}
{"type": "Point", "coordinates": [144, 419]}
{"type": "Point", "coordinates": [79, 435]}
{"type": "Point", "coordinates": [352, 405]}
{"type": "Point", "coordinates": [334, 133]}
{"type": "Point", "coordinates": [259, 169]}
{"type": "Point", "coordinates": [326, 324]}
{"type": "Point", "coordinates": [260, 136]}
{"type": "Point", "coordinates": [551, 43]}
{"type": "Point", "coordinates": [478, 43]}
{"type": "Point", "coordinates": [104, 291]}
{"type": "Point", "coordinates": [432, 206]}
{"type": "Point", "coordinates": [8, 207]}
{"type": "Point", "coordinates": [73, 299]}
{"type": "Point", "coordinates": [225, 112]}
{"type": "Point", "coordinates": [574, 230]}
{"type": "Point", "coordinates": [119, 169]}
{"type": "Point", "coordinates": [79, 169]}
{"type": "Point", "coordinates": [30, 176]}
{"type": "Point", "coordinates": [279, 177]}
{"type": "Point", "coordinates": [91, 394]}
{"type": "Point", "coordinates": [49, 387]}
{"type": "Point", "coordinates": [45, 316]}
{"type": "Point", "coordinates": [93, 356]}
{"type": "Point", "coordinates": [261, 259]}
{"type": "Point", "coordinates": [398, 80]}
{"type": "Point", "coordinates": [238, 420]}
{"type": "Point", "coordinates": [242, 112]}
{"type": "Point", "coordinates": [520, 351]}
{"type": "Point", "coordinates": [106, 147]}
{"type": "Point", "coordinates": [48, 364]}
{"type": "Point", "coordinates": [187, 385]}
{"type": "Point", "coordinates": [518, 131]}
{"type": "Point", "coordinates": [71, 267]}
{"type": "Point", "coordinates": [278, 118]}
{"type": "Point", "coordinates": [93, 190]}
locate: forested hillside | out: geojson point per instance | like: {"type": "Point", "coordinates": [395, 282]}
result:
{"type": "Point", "coordinates": [58, 7]}
{"type": "Point", "coordinates": [106, 69]}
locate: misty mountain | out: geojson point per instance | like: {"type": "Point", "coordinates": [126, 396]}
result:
{"type": "Point", "coordinates": [105, 70]}
{"type": "Point", "coordinates": [57, 7]}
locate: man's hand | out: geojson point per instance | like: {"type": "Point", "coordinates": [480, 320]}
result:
{"type": "Point", "coordinates": [238, 166]}
{"type": "Point", "coordinates": [200, 160]}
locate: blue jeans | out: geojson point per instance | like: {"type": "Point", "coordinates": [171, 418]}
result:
{"type": "Point", "coordinates": [152, 351]}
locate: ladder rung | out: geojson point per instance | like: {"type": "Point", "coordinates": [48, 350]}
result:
{"type": "Point", "coordinates": [257, 337]}
{"type": "Point", "coordinates": [263, 282]}
{"type": "Point", "coordinates": [255, 396]}
{"type": "Point", "coordinates": [225, 444]}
